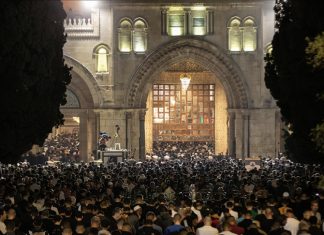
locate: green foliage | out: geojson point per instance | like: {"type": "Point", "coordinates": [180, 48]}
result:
{"type": "Point", "coordinates": [292, 81]}
{"type": "Point", "coordinates": [315, 53]}
{"type": "Point", "coordinates": [33, 74]}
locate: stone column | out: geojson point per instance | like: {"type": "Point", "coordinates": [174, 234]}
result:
{"type": "Point", "coordinates": [231, 134]}
{"type": "Point", "coordinates": [91, 129]}
{"type": "Point", "coordinates": [187, 23]}
{"type": "Point", "coordinates": [83, 135]}
{"type": "Point", "coordinates": [210, 21]}
{"type": "Point", "coordinates": [142, 135]}
{"type": "Point", "coordinates": [246, 135]}
{"type": "Point", "coordinates": [128, 116]}
{"type": "Point", "coordinates": [164, 19]}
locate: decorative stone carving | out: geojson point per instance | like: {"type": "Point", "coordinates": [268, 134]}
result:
{"type": "Point", "coordinates": [186, 66]}
{"type": "Point", "coordinates": [207, 54]}
{"type": "Point", "coordinates": [142, 115]}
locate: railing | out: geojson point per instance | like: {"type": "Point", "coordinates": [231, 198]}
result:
{"type": "Point", "coordinates": [82, 27]}
{"type": "Point", "coordinates": [78, 24]}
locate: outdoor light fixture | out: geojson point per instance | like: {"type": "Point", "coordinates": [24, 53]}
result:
{"type": "Point", "coordinates": [185, 81]}
{"type": "Point", "coordinates": [185, 78]}
{"type": "Point", "coordinates": [89, 4]}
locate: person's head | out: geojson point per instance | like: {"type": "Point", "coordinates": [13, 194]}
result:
{"type": "Point", "coordinates": [314, 206]}
{"type": "Point", "coordinates": [248, 215]}
{"type": "Point", "coordinates": [150, 215]}
{"type": "Point", "coordinates": [11, 214]}
{"type": "Point", "coordinates": [95, 222]}
{"type": "Point", "coordinates": [80, 229]}
{"type": "Point", "coordinates": [127, 228]}
{"type": "Point", "coordinates": [231, 220]}
{"type": "Point", "coordinates": [268, 212]}
{"type": "Point", "coordinates": [290, 213]}
{"type": "Point", "coordinates": [67, 231]}
{"type": "Point", "coordinates": [226, 226]}
{"type": "Point", "coordinates": [177, 219]}
{"type": "Point", "coordinates": [137, 210]}
{"type": "Point", "coordinates": [207, 221]}
{"type": "Point", "coordinates": [307, 214]}
{"type": "Point", "coordinates": [117, 213]}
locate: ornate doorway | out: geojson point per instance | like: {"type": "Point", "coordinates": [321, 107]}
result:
{"type": "Point", "coordinates": [195, 114]}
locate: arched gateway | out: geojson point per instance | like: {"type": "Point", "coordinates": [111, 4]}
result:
{"type": "Point", "coordinates": [213, 59]}
{"type": "Point", "coordinates": [84, 89]}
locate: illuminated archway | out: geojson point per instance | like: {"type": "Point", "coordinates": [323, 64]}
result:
{"type": "Point", "coordinates": [205, 54]}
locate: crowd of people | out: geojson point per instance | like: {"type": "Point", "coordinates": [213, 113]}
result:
{"type": "Point", "coordinates": [201, 195]}
{"type": "Point", "coordinates": [62, 147]}
{"type": "Point", "coordinates": [182, 149]}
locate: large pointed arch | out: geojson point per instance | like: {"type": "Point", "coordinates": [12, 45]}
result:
{"type": "Point", "coordinates": [204, 53]}
{"type": "Point", "coordinates": [83, 84]}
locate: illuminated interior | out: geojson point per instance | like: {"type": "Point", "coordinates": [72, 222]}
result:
{"type": "Point", "coordinates": [140, 36]}
{"type": "Point", "coordinates": [124, 36]}
{"type": "Point", "coordinates": [198, 21]}
{"type": "Point", "coordinates": [102, 60]}
{"type": "Point", "coordinates": [183, 115]}
{"type": "Point", "coordinates": [196, 114]}
{"type": "Point", "coordinates": [176, 22]}
{"type": "Point", "coordinates": [249, 35]}
{"type": "Point", "coordinates": [234, 35]}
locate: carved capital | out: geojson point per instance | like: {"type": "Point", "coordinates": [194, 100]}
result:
{"type": "Point", "coordinates": [142, 114]}
{"type": "Point", "coordinates": [128, 115]}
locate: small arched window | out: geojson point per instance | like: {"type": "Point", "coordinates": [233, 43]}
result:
{"type": "Point", "coordinates": [101, 53]}
{"type": "Point", "coordinates": [249, 35]}
{"type": "Point", "coordinates": [234, 35]}
{"type": "Point", "coordinates": [125, 36]}
{"type": "Point", "coordinates": [140, 36]}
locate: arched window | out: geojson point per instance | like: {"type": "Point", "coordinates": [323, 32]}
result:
{"type": "Point", "coordinates": [249, 35]}
{"type": "Point", "coordinates": [125, 36]}
{"type": "Point", "coordinates": [176, 22]}
{"type": "Point", "coordinates": [101, 54]}
{"type": "Point", "coordinates": [140, 36]}
{"type": "Point", "coordinates": [234, 35]}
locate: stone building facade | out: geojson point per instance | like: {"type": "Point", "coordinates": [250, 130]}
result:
{"type": "Point", "coordinates": [120, 49]}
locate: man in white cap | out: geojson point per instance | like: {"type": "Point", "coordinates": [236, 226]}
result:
{"type": "Point", "coordinates": [135, 217]}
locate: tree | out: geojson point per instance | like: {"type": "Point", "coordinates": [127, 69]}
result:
{"type": "Point", "coordinates": [291, 79]}
{"type": "Point", "coordinates": [315, 52]}
{"type": "Point", "coordinates": [33, 74]}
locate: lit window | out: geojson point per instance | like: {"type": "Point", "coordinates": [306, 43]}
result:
{"type": "Point", "coordinates": [125, 36]}
{"type": "Point", "coordinates": [101, 54]}
{"type": "Point", "coordinates": [234, 35]}
{"type": "Point", "coordinates": [198, 21]}
{"type": "Point", "coordinates": [176, 22]}
{"type": "Point", "coordinates": [140, 36]}
{"type": "Point", "coordinates": [249, 35]}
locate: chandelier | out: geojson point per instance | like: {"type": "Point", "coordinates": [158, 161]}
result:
{"type": "Point", "coordinates": [185, 81]}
